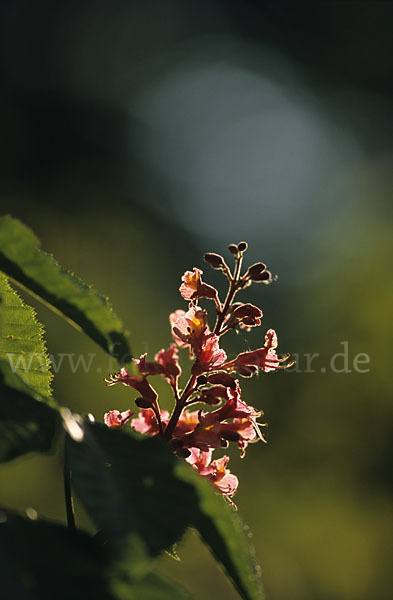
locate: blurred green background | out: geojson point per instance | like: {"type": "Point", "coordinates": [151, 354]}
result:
{"type": "Point", "coordinates": [137, 135]}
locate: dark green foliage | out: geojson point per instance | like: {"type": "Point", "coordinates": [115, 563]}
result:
{"type": "Point", "coordinates": [45, 561]}
{"type": "Point", "coordinates": [27, 423]}
{"type": "Point", "coordinates": [22, 260]}
{"type": "Point", "coordinates": [143, 498]}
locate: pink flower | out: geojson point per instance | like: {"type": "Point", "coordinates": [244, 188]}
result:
{"type": "Point", "coordinates": [241, 431]}
{"type": "Point", "coordinates": [146, 421]}
{"type": "Point", "coordinates": [147, 367]}
{"type": "Point", "coordinates": [115, 418]}
{"type": "Point", "coordinates": [206, 434]}
{"type": "Point", "coordinates": [208, 354]}
{"type": "Point", "coordinates": [223, 480]}
{"type": "Point", "coordinates": [139, 384]}
{"type": "Point", "coordinates": [215, 471]}
{"type": "Point", "coordinates": [186, 423]}
{"type": "Point", "coordinates": [266, 359]}
{"type": "Point", "coordinates": [213, 428]}
{"type": "Point", "coordinates": [191, 326]}
{"type": "Point", "coordinates": [166, 364]}
{"type": "Point", "coordinates": [234, 407]}
{"type": "Point", "coordinates": [193, 287]}
{"type": "Point", "coordinates": [173, 317]}
{"type": "Point", "coordinates": [201, 459]}
{"type": "Point", "coordinates": [169, 362]}
{"type": "Point", "coordinates": [193, 330]}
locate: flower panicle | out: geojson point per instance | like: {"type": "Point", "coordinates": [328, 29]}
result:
{"type": "Point", "coordinates": [195, 435]}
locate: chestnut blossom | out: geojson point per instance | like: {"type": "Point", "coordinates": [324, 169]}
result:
{"type": "Point", "coordinates": [115, 418]}
{"type": "Point", "coordinates": [234, 421]}
{"type": "Point", "coordinates": [146, 421]}
{"type": "Point", "coordinates": [194, 435]}
{"type": "Point", "coordinates": [166, 363]}
{"type": "Point", "coordinates": [209, 355]}
{"type": "Point", "coordinates": [140, 384]}
{"type": "Point", "coordinates": [193, 287]}
{"type": "Point", "coordinates": [266, 359]}
{"type": "Point", "coordinates": [173, 317]}
{"type": "Point", "coordinates": [221, 477]}
{"type": "Point", "coordinates": [191, 327]}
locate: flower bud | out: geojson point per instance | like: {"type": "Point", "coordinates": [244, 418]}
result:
{"type": "Point", "coordinates": [242, 246]}
{"type": "Point", "coordinates": [236, 305]}
{"type": "Point", "coordinates": [222, 379]}
{"type": "Point", "coordinates": [246, 370]}
{"type": "Point", "coordinates": [264, 276]}
{"type": "Point", "coordinates": [247, 310]}
{"type": "Point", "coordinates": [233, 248]}
{"type": "Point", "coordinates": [255, 270]}
{"type": "Point", "coordinates": [143, 403]}
{"type": "Point", "coordinates": [215, 260]}
{"type": "Point", "coordinates": [201, 380]}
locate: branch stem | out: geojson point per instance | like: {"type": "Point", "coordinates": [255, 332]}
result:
{"type": "Point", "coordinates": [233, 289]}
{"type": "Point", "coordinates": [180, 404]}
{"type": "Point", "coordinates": [68, 495]}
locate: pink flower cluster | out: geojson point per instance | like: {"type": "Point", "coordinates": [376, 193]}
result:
{"type": "Point", "coordinates": [196, 434]}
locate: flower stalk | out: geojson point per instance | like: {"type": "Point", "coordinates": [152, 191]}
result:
{"type": "Point", "coordinates": [68, 494]}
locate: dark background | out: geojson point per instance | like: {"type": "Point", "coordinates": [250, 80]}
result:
{"type": "Point", "coordinates": [137, 135]}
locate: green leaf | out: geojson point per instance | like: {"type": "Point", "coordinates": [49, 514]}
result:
{"type": "Point", "coordinates": [127, 483]}
{"type": "Point", "coordinates": [228, 538]}
{"type": "Point", "coordinates": [27, 421]}
{"type": "Point", "coordinates": [143, 498]}
{"type": "Point", "coordinates": [22, 260]}
{"type": "Point", "coordinates": [151, 587]}
{"type": "Point", "coordinates": [21, 340]}
{"type": "Point", "coordinates": [44, 561]}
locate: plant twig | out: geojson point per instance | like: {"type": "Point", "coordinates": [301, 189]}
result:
{"type": "Point", "coordinates": [180, 404]}
{"type": "Point", "coordinates": [68, 495]}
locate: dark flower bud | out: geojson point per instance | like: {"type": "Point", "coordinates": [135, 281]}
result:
{"type": "Point", "coordinates": [222, 379]}
{"type": "Point", "coordinates": [233, 248]}
{"type": "Point", "coordinates": [236, 305]}
{"type": "Point", "coordinates": [246, 370]}
{"type": "Point", "coordinates": [264, 276]}
{"type": "Point", "coordinates": [242, 246]}
{"type": "Point", "coordinates": [247, 310]}
{"type": "Point", "coordinates": [256, 270]}
{"type": "Point", "coordinates": [230, 436]}
{"type": "Point", "coordinates": [207, 291]}
{"type": "Point", "coordinates": [143, 403]}
{"type": "Point", "coordinates": [201, 380]}
{"type": "Point", "coordinates": [215, 260]}
{"type": "Point", "coordinates": [224, 443]}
